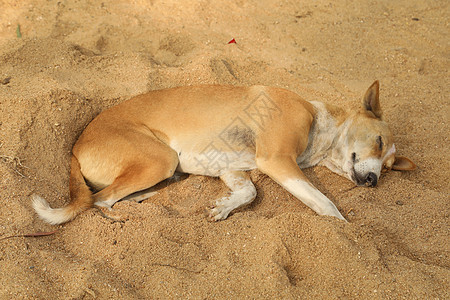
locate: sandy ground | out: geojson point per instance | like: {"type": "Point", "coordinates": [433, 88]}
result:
{"type": "Point", "coordinates": [76, 58]}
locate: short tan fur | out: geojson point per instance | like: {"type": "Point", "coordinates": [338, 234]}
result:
{"type": "Point", "coordinates": [224, 131]}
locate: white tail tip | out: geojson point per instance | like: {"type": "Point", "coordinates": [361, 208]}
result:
{"type": "Point", "coordinates": [50, 215]}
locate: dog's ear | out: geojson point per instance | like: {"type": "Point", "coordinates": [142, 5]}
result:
{"type": "Point", "coordinates": [371, 101]}
{"type": "Point", "coordinates": [402, 163]}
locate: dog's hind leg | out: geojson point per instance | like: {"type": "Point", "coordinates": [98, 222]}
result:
{"type": "Point", "coordinates": [143, 169]}
{"type": "Point", "coordinates": [152, 191]}
{"type": "Point", "coordinates": [243, 192]}
{"type": "Point", "coordinates": [141, 195]}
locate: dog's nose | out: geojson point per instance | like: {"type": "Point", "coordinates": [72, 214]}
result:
{"type": "Point", "coordinates": [371, 179]}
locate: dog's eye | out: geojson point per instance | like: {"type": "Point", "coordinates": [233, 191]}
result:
{"type": "Point", "coordinates": [380, 142]}
{"type": "Point", "coordinates": [353, 156]}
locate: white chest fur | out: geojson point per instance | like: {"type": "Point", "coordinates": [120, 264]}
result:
{"type": "Point", "coordinates": [321, 136]}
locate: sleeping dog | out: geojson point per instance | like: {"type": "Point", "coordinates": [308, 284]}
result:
{"type": "Point", "coordinates": [224, 131]}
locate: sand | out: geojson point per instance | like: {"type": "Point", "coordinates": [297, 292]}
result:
{"type": "Point", "coordinates": [77, 58]}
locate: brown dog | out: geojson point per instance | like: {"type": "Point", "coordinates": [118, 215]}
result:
{"type": "Point", "coordinates": [224, 131]}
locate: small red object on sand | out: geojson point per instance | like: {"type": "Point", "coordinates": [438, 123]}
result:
{"type": "Point", "coordinates": [233, 41]}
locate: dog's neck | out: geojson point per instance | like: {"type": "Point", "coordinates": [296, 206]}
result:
{"type": "Point", "coordinates": [325, 137]}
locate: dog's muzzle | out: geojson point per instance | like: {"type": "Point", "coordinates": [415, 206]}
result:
{"type": "Point", "coordinates": [371, 179]}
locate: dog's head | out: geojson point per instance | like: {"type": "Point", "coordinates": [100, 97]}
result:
{"type": "Point", "coordinates": [368, 145]}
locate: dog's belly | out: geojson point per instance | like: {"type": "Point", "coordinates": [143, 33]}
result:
{"type": "Point", "coordinates": [212, 159]}
{"type": "Point", "coordinates": [215, 163]}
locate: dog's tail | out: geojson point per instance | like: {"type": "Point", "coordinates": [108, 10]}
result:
{"type": "Point", "coordinates": [80, 199]}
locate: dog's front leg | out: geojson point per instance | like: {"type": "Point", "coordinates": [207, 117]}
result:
{"type": "Point", "coordinates": [285, 171]}
{"type": "Point", "coordinates": [243, 192]}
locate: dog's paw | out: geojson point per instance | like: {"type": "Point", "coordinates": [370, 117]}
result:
{"type": "Point", "coordinates": [219, 211]}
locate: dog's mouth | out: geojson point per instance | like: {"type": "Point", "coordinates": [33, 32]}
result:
{"type": "Point", "coordinates": [353, 175]}
{"type": "Point", "coordinates": [355, 178]}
